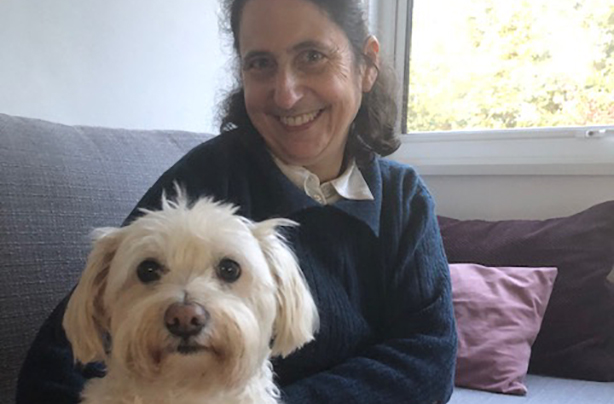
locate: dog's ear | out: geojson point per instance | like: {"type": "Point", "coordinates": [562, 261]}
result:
{"type": "Point", "coordinates": [297, 316]}
{"type": "Point", "coordinates": [85, 321]}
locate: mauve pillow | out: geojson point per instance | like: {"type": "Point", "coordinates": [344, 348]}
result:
{"type": "Point", "coordinates": [577, 334]}
{"type": "Point", "coordinates": [498, 314]}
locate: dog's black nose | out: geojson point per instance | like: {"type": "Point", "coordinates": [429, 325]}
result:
{"type": "Point", "coordinates": [185, 319]}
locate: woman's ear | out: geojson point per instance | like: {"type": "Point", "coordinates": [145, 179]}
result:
{"type": "Point", "coordinates": [371, 70]}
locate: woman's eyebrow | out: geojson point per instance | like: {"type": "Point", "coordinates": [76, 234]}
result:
{"type": "Point", "coordinates": [253, 54]}
{"type": "Point", "coordinates": [301, 46]}
{"type": "Point", "coordinates": [310, 44]}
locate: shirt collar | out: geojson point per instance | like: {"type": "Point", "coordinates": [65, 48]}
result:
{"type": "Point", "coordinates": [352, 185]}
{"type": "Point", "coordinates": [287, 200]}
{"type": "Point", "coordinates": [349, 185]}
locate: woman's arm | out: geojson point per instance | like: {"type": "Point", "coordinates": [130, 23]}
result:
{"type": "Point", "coordinates": [49, 374]}
{"type": "Point", "coordinates": [415, 361]}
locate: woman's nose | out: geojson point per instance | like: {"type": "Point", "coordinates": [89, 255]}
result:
{"type": "Point", "coordinates": [288, 89]}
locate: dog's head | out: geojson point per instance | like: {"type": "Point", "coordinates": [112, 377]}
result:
{"type": "Point", "coordinates": [191, 289]}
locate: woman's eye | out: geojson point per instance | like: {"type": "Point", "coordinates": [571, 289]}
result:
{"type": "Point", "coordinates": [258, 64]}
{"type": "Point", "coordinates": [228, 270]}
{"type": "Point", "coordinates": [313, 56]}
{"type": "Point", "coordinates": [149, 271]}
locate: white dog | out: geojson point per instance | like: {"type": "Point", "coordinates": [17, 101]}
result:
{"type": "Point", "coordinates": [186, 305]}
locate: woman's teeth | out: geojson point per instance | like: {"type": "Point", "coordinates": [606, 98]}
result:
{"type": "Point", "coordinates": [298, 120]}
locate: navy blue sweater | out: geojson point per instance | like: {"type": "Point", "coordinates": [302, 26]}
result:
{"type": "Point", "coordinates": [377, 270]}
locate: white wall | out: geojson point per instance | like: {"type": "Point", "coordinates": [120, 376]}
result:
{"type": "Point", "coordinates": [518, 197]}
{"type": "Point", "coordinates": [513, 175]}
{"type": "Point", "coordinates": [120, 63]}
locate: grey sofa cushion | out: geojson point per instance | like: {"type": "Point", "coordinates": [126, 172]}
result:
{"type": "Point", "coordinates": [543, 390]}
{"type": "Point", "coordinates": [57, 183]}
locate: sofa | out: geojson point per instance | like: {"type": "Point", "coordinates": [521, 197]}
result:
{"type": "Point", "coordinates": [58, 182]}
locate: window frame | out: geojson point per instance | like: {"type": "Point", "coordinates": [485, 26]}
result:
{"type": "Point", "coordinates": [530, 151]}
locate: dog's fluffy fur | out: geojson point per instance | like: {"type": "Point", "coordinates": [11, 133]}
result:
{"type": "Point", "coordinates": [115, 317]}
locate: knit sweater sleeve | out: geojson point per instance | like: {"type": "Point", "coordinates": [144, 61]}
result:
{"type": "Point", "coordinates": [414, 360]}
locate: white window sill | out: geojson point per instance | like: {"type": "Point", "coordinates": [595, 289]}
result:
{"type": "Point", "coordinates": [560, 151]}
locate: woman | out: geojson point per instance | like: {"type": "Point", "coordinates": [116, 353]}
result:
{"type": "Point", "coordinates": [300, 139]}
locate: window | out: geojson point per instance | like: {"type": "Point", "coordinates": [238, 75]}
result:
{"type": "Point", "coordinates": [493, 86]}
{"type": "Point", "coordinates": [508, 64]}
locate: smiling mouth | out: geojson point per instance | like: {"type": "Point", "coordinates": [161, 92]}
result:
{"type": "Point", "coordinates": [300, 120]}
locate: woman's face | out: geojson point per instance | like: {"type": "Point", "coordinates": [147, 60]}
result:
{"type": "Point", "coordinates": [302, 85]}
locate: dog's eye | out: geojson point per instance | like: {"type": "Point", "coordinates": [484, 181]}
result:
{"type": "Point", "coordinates": [228, 270]}
{"type": "Point", "coordinates": [149, 271]}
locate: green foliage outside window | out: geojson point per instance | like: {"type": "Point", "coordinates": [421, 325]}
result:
{"type": "Point", "coordinates": [492, 64]}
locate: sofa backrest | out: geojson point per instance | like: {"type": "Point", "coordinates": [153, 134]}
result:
{"type": "Point", "coordinates": [58, 183]}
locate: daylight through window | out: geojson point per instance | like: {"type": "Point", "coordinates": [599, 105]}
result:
{"type": "Point", "coordinates": [491, 64]}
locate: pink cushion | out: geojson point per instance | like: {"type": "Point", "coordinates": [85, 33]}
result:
{"type": "Point", "coordinates": [498, 312]}
{"type": "Point", "coordinates": [577, 335]}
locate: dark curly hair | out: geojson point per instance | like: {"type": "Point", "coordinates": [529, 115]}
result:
{"type": "Point", "coordinates": [372, 131]}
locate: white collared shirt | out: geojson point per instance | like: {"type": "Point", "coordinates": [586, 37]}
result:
{"type": "Point", "coordinates": [349, 185]}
